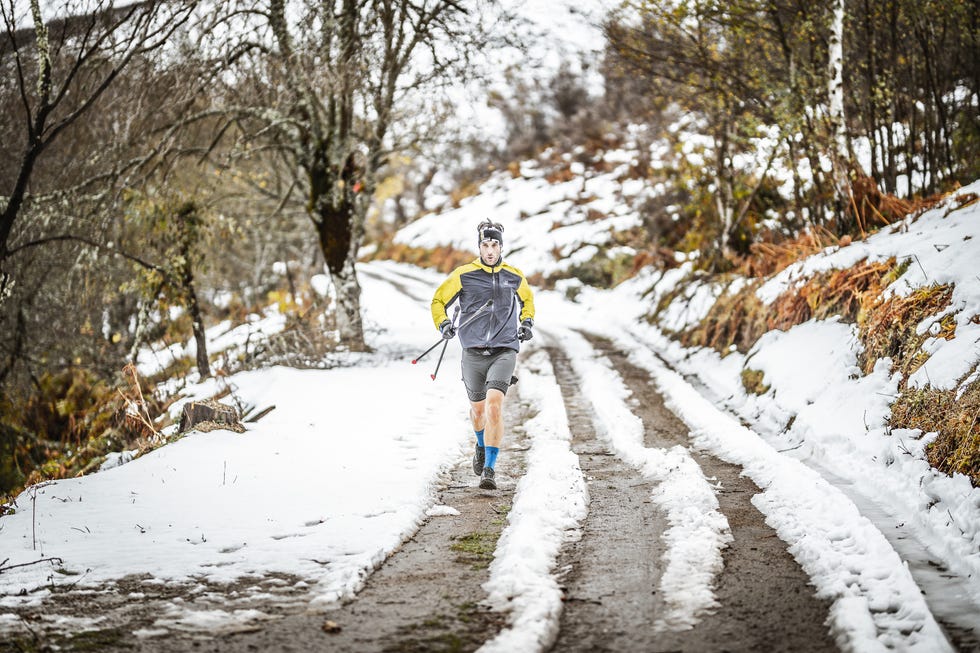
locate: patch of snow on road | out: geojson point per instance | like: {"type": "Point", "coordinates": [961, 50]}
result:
{"type": "Point", "coordinates": [549, 504]}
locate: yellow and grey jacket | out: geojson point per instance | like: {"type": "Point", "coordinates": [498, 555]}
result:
{"type": "Point", "coordinates": [475, 283]}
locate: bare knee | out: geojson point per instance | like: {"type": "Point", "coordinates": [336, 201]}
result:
{"type": "Point", "coordinates": [495, 406]}
{"type": "Point", "coordinates": [478, 412]}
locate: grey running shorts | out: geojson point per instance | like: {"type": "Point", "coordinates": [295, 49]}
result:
{"type": "Point", "coordinates": [487, 368]}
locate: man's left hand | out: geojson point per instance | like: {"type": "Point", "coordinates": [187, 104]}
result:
{"type": "Point", "coordinates": [524, 331]}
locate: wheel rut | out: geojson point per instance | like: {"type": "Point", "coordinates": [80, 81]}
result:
{"type": "Point", "coordinates": [766, 602]}
{"type": "Point", "coordinates": [611, 574]}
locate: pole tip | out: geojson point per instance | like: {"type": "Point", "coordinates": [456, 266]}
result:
{"type": "Point", "coordinates": [415, 361]}
{"type": "Point", "coordinates": [433, 376]}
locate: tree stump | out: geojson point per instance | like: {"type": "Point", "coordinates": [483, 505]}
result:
{"type": "Point", "coordinates": [209, 415]}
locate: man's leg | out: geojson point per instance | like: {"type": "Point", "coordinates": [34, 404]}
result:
{"type": "Point", "coordinates": [498, 380]}
{"type": "Point", "coordinates": [475, 380]}
{"type": "Point", "coordinates": [494, 432]}
{"type": "Point", "coordinates": [478, 415]}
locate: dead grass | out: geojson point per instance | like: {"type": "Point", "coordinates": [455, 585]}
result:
{"type": "Point", "coordinates": [849, 293]}
{"type": "Point", "coordinates": [767, 258]}
{"type": "Point", "coordinates": [70, 422]}
{"type": "Point", "coordinates": [560, 175]}
{"type": "Point", "coordinates": [468, 189]}
{"type": "Point", "coordinates": [872, 208]}
{"type": "Point", "coordinates": [444, 259]}
{"type": "Point", "coordinates": [957, 420]}
{"type": "Point", "coordinates": [734, 319]}
{"type": "Point", "coordinates": [890, 328]}
{"type": "Point", "coordinates": [886, 327]}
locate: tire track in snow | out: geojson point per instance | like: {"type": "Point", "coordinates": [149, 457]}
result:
{"type": "Point", "coordinates": [697, 531]}
{"type": "Point", "coordinates": [766, 601]}
{"type": "Point", "coordinates": [612, 574]}
{"type": "Point", "coordinates": [876, 605]}
{"type": "Point", "coordinates": [428, 595]}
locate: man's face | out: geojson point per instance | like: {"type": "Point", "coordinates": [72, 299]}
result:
{"type": "Point", "coordinates": [490, 251]}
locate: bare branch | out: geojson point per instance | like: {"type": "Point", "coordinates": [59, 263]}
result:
{"type": "Point", "coordinates": [91, 243]}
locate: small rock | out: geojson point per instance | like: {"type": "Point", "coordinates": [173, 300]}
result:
{"type": "Point", "coordinates": [331, 626]}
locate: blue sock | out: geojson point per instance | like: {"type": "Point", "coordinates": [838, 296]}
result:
{"type": "Point", "coordinates": [491, 456]}
{"type": "Point", "coordinates": [479, 438]}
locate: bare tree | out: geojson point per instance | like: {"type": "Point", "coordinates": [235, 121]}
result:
{"type": "Point", "coordinates": [61, 69]}
{"type": "Point", "coordinates": [340, 89]}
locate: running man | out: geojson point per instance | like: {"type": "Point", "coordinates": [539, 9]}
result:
{"type": "Point", "coordinates": [497, 314]}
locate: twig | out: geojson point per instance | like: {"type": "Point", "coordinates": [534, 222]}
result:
{"type": "Point", "coordinates": [262, 413]}
{"type": "Point", "coordinates": [924, 275]}
{"type": "Point", "coordinates": [25, 624]}
{"type": "Point", "coordinates": [975, 415]}
{"type": "Point", "coordinates": [790, 449]}
{"type": "Point", "coordinates": [953, 520]}
{"type": "Point", "coordinates": [141, 411]}
{"type": "Point", "coordinates": [27, 564]}
{"type": "Point", "coordinates": [71, 586]}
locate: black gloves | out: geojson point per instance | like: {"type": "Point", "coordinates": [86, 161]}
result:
{"type": "Point", "coordinates": [447, 329]}
{"type": "Point", "coordinates": [524, 331]}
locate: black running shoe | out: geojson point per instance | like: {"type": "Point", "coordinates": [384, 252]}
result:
{"type": "Point", "coordinates": [479, 458]}
{"type": "Point", "coordinates": [486, 479]}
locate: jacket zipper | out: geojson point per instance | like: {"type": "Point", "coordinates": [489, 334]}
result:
{"type": "Point", "coordinates": [493, 295]}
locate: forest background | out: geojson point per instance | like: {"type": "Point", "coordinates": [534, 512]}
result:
{"type": "Point", "coordinates": [168, 165]}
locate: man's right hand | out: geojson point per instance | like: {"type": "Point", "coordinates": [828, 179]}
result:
{"type": "Point", "coordinates": [447, 329]}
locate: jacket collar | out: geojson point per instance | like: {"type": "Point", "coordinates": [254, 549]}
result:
{"type": "Point", "coordinates": [486, 268]}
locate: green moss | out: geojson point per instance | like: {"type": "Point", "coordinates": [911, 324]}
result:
{"type": "Point", "coordinates": [476, 548]}
{"type": "Point", "coordinates": [896, 272]}
{"type": "Point", "coordinates": [93, 640]}
{"type": "Point", "coordinates": [503, 511]}
{"type": "Point", "coordinates": [753, 381]}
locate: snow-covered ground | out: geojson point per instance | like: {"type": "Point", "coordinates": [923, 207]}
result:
{"type": "Point", "coordinates": [346, 466]}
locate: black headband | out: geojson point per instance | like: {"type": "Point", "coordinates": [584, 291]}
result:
{"type": "Point", "coordinates": [491, 233]}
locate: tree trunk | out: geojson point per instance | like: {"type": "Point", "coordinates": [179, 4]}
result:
{"type": "Point", "coordinates": [203, 364]}
{"type": "Point", "coordinates": [835, 102]}
{"type": "Point", "coordinates": [348, 315]}
{"type": "Point", "coordinates": [197, 319]}
{"type": "Point", "coordinates": [339, 242]}
{"type": "Point", "coordinates": [725, 193]}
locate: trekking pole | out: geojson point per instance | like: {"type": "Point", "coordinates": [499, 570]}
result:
{"type": "Point", "coordinates": [468, 320]}
{"type": "Point", "coordinates": [416, 360]}
{"type": "Point", "coordinates": [441, 354]}
{"type": "Point", "coordinates": [442, 340]}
